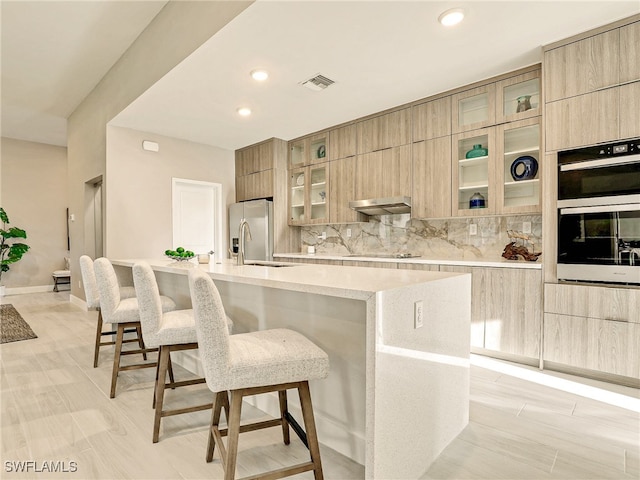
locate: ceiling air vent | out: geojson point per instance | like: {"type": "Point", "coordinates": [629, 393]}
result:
{"type": "Point", "coordinates": [317, 83]}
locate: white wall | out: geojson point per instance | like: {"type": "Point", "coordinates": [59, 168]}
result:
{"type": "Point", "coordinates": [35, 196]}
{"type": "Point", "coordinates": [138, 189]}
{"type": "Point", "coordinates": [179, 29]}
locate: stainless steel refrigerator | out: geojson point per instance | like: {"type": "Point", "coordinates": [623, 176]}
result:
{"type": "Point", "coordinates": [259, 215]}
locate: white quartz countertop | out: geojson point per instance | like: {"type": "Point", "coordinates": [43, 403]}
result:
{"type": "Point", "coordinates": [333, 280]}
{"type": "Point", "coordinates": [500, 263]}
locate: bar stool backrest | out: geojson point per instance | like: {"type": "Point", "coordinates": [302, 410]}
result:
{"type": "Point", "coordinates": [89, 282]}
{"type": "Point", "coordinates": [149, 302]}
{"type": "Point", "coordinates": [212, 330]}
{"type": "Point", "coordinates": [108, 287]}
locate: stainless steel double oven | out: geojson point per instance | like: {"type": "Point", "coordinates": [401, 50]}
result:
{"type": "Point", "coordinates": [599, 213]}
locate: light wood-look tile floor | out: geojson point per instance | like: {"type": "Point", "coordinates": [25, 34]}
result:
{"type": "Point", "coordinates": [55, 407]}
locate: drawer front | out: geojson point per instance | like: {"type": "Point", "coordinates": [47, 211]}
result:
{"type": "Point", "coordinates": [620, 304]}
{"type": "Point", "coordinates": [594, 344]}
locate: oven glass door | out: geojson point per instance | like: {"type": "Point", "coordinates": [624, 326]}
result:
{"type": "Point", "coordinates": [605, 179]}
{"type": "Point", "coordinates": [587, 238]}
{"type": "Point", "coordinates": [600, 235]}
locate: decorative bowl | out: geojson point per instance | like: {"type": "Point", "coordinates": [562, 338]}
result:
{"type": "Point", "coordinates": [180, 259]}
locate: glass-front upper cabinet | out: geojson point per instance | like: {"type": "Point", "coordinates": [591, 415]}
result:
{"type": "Point", "coordinates": [474, 173]}
{"type": "Point", "coordinates": [473, 109]}
{"type": "Point", "coordinates": [518, 97]}
{"type": "Point", "coordinates": [308, 151]}
{"type": "Point", "coordinates": [308, 195]}
{"type": "Point", "coordinates": [519, 155]}
{"type": "Point", "coordinates": [297, 182]}
{"type": "Point", "coordinates": [318, 193]}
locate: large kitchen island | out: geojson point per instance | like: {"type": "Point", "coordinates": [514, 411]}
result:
{"type": "Point", "coordinates": [398, 344]}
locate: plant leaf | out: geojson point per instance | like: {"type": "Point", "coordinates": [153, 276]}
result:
{"type": "Point", "coordinates": [3, 216]}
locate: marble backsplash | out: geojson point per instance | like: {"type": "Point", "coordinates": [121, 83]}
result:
{"type": "Point", "coordinates": [447, 238]}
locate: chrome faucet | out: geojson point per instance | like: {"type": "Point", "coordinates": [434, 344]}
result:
{"type": "Point", "coordinates": [244, 226]}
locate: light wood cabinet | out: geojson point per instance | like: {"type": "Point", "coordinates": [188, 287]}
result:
{"type": "Point", "coordinates": [583, 120]}
{"type": "Point", "coordinates": [593, 327]}
{"type": "Point", "coordinates": [594, 344]}
{"type": "Point", "coordinates": [254, 186]}
{"type": "Point", "coordinates": [431, 178]}
{"type": "Point", "coordinates": [607, 303]}
{"type": "Point", "coordinates": [429, 267]}
{"type": "Point", "coordinates": [385, 173]}
{"type": "Point", "coordinates": [384, 131]}
{"type": "Point", "coordinates": [254, 170]}
{"type": "Point", "coordinates": [255, 158]}
{"type": "Point", "coordinates": [308, 199]}
{"type": "Point", "coordinates": [432, 119]}
{"type": "Point", "coordinates": [513, 315]}
{"type": "Point", "coordinates": [342, 190]}
{"type": "Point", "coordinates": [581, 67]}
{"type": "Point", "coordinates": [473, 109]}
{"type": "Point", "coordinates": [342, 142]}
{"type": "Point", "coordinates": [630, 53]}
{"type": "Point", "coordinates": [308, 151]}
{"type": "Point", "coordinates": [314, 261]}
{"type": "Point", "coordinates": [362, 263]}
{"type": "Point", "coordinates": [473, 175]}
{"type": "Point", "coordinates": [629, 110]}
{"type": "Point", "coordinates": [506, 309]}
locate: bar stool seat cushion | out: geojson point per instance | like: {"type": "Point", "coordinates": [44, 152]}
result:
{"type": "Point", "coordinates": [271, 357]}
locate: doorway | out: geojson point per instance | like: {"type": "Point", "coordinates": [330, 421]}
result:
{"type": "Point", "coordinates": [94, 218]}
{"type": "Point", "coordinates": [197, 216]}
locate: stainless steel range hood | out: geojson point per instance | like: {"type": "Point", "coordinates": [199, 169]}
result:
{"type": "Point", "coordinates": [382, 206]}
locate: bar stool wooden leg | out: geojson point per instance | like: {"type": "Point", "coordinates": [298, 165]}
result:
{"type": "Point", "coordinates": [310, 427]}
{"type": "Point", "coordinates": [116, 360]}
{"type": "Point", "coordinates": [215, 423]}
{"type": "Point", "coordinates": [171, 377]}
{"type": "Point", "coordinates": [163, 362]}
{"type": "Point", "coordinates": [96, 353]}
{"type": "Point", "coordinates": [232, 435]}
{"type": "Point", "coordinates": [282, 396]}
{"type": "Point", "coordinates": [141, 341]}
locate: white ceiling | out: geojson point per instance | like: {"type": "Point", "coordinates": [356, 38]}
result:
{"type": "Point", "coordinates": [380, 54]}
{"type": "Point", "coordinates": [54, 53]}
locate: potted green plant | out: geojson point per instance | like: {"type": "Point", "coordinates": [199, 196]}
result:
{"type": "Point", "coordinates": [10, 251]}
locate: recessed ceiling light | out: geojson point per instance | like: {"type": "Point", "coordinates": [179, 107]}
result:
{"type": "Point", "coordinates": [259, 75]}
{"type": "Point", "coordinates": [451, 17]}
{"type": "Point", "coordinates": [244, 111]}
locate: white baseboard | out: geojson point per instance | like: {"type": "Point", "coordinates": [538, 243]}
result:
{"type": "Point", "coordinates": [34, 289]}
{"type": "Point", "coordinates": [78, 302]}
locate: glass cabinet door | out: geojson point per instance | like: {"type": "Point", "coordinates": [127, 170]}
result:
{"type": "Point", "coordinates": [520, 154]}
{"type": "Point", "coordinates": [518, 97]}
{"type": "Point", "coordinates": [297, 154]}
{"type": "Point", "coordinates": [318, 149]}
{"type": "Point", "coordinates": [473, 109]}
{"type": "Point", "coordinates": [297, 182]}
{"type": "Point", "coordinates": [473, 172]}
{"type": "Point", "coordinates": [318, 193]}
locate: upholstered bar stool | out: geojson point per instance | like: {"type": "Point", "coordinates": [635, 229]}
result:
{"type": "Point", "coordinates": [123, 312]}
{"type": "Point", "coordinates": [169, 332]}
{"type": "Point", "coordinates": [93, 303]}
{"type": "Point", "coordinates": [250, 364]}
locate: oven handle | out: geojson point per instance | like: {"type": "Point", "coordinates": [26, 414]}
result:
{"type": "Point", "coordinates": [628, 207]}
{"type": "Point", "coordinates": [601, 162]}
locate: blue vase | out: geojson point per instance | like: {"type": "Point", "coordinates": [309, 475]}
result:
{"type": "Point", "coordinates": [476, 201]}
{"type": "Point", "coordinates": [524, 168]}
{"type": "Point", "coordinates": [477, 151]}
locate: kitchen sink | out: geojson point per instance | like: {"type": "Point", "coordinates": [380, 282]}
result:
{"type": "Point", "coordinates": [269, 264]}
